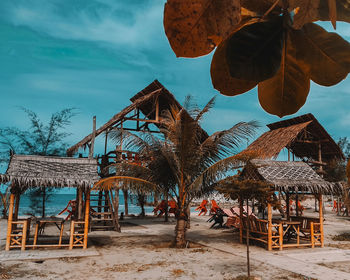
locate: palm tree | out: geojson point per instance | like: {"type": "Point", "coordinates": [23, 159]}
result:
{"type": "Point", "coordinates": [184, 160]}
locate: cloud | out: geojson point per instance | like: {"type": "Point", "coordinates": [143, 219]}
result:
{"type": "Point", "coordinates": [111, 22]}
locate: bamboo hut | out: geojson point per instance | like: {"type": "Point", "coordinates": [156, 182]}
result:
{"type": "Point", "coordinates": [304, 137]}
{"type": "Point", "coordinates": [27, 171]}
{"type": "Point", "coordinates": [142, 115]}
{"type": "Point", "coordinates": [287, 177]}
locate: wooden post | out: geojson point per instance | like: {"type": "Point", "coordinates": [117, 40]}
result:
{"type": "Point", "coordinates": [320, 211]}
{"type": "Point", "coordinates": [287, 205]}
{"type": "Point", "coordinates": [9, 222]}
{"type": "Point", "coordinates": [71, 238]}
{"type": "Point", "coordinates": [80, 203]}
{"type": "Point", "coordinates": [87, 216]}
{"type": "Point", "coordinates": [92, 145]}
{"type": "Point", "coordinates": [269, 229]}
{"type": "Point", "coordinates": [24, 235]}
{"type": "Point", "coordinates": [312, 235]}
{"type": "Point", "coordinates": [126, 207]}
{"type": "Point", "coordinates": [106, 142]}
{"type": "Point", "coordinates": [17, 198]}
{"type": "Point", "coordinates": [280, 233]}
{"type": "Point", "coordinates": [296, 205]}
{"type": "Point", "coordinates": [241, 220]}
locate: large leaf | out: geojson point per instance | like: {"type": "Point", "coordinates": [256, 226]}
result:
{"type": "Point", "coordinates": [342, 10]}
{"type": "Point", "coordinates": [220, 74]}
{"type": "Point", "coordinates": [313, 10]}
{"type": "Point", "coordinates": [286, 92]}
{"type": "Point", "coordinates": [260, 7]}
{"type": "Point", "coordinates": [254, 52]}
{"type": "Point", "coordinates": [195, 27]}
{"type": "Point", "coordinates": [327, 54]}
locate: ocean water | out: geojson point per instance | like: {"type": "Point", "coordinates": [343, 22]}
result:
{"type": "Point", "coordinates": [58, 201]}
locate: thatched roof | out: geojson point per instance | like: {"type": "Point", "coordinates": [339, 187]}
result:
{"type": "Point", "coordinates": [289, 175]}
{"type": "Point", "coordinates": [301, 135]}
{"type": "Point", "coordinates": [145, 101]}
{"type": "Point", "coordinates": [26, 171]}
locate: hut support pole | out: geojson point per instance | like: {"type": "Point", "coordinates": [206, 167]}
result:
{"type": "Point", "coordinates": [321, 218]}
{"type": "Point", "coordinates": [269, 230]}
{"type": "Point", "coordinates": [9, 222]}
{"type": "Point", "coordinates": [287, 205]}
{"type": "Point", "coordinates": [17, 198]}
{"type": "Point", "coordinates": [247, 240]}
{"type": "Point", "coordinates": [296, 205]}
{"type": "Point", "coordinates": [87, 216]}
{"type": "Point", "coordinates": [241, 220]}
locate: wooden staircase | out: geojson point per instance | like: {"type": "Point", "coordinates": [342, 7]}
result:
{"type": "Point", "coordinates": [102, 211]}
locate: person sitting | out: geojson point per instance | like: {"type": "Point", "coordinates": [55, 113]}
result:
{"type": "Point", "coordinates": [202, 207]}
{"type": "Point", "coordinates": [218, 219]}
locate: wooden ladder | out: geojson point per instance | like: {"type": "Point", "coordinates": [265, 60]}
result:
{"type": "Point", "coordinates": [102, 211]}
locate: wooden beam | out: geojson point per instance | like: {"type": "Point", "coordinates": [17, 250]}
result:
{"type": "Point", "coordinates": [241, 220]}
{"type": "Point", "coordinates": [269, 228]}
{"type": "Point", "coordinates": [320, 211]}
{"type": "Point", "coordinates": [157, 109]}
{"type": "Point", "coordinates": [87, 216]}
{"type": "Point", "coordinates": [9, 222]}
{"type": "Point", "coordinates": [312, 141]}
{"type": "Point", "coordinates": [91, 152]}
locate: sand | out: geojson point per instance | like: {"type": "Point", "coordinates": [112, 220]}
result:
{"type": "Point", "coordinates": [142, 251]}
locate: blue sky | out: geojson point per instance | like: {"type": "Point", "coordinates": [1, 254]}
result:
{"type": "Point", "coordinates": [95, 54]}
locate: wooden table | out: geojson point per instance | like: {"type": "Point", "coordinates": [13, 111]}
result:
{"type": "Point", "coordinates": [289, 229]}
{"type": "Point", "coordinates": [40, 224]}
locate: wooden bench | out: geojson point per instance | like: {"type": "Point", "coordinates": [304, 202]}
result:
{"type": "Point", "coordinates": [310, 229]}
{"type": "Point", "coordinates": [258, 230]}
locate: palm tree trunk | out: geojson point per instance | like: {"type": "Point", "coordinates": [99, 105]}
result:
{"type": "Point", "coordinates": [44, 199]}
{"type": "Point", "coordinates": [180, 233]}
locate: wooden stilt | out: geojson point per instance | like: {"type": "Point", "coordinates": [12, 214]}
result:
{"type": "Point", "coordinates": [61, 234]}
{"type": "Point", "coordinates": [280, 233]}
{"type": "Point", "coordinates": [312, 235]}
{"type": "Point", "coordinates": [71, 239]}
{"type": "Point", "coordinates": [269, 229]}
{"type": "Point", "coordinates": [80, 203]}
{"type": "Point", "coordinates": [126, 207]}
{"type": "Point", "coordinates": [241, 220]}
{"type": "Point", "coordinates": [320, 209]}
{"type": "Point", "coordinates": [87, 216]}
{"type": "Point", "coordinates": [9, 222]}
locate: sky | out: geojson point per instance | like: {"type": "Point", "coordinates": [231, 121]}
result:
{"type": "Point", "coordinates": [94, 55]}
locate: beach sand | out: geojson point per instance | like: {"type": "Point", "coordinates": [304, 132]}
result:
{"type": "Point", "coordinates": [142, 251]}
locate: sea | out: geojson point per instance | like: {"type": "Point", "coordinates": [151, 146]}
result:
{"type": "Point", "coordinates": [58, 201]}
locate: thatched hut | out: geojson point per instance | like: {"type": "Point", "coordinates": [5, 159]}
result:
{"type": "Point", "coordinates": [143, 115]}
{"type": "Point", "coordinates": [304, 137]}
{"type": "Point", "coordinates": [289, 177]}
{"type": "Point", "coordinates": [28, 171]}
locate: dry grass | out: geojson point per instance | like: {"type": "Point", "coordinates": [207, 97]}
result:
{"type": "Point", "coordinates": [342, 237]}
{"type": "Point", "coordinates": [135, 266]}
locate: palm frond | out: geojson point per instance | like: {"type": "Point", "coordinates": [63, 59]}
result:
{"type": "Point", "coordinates": [137, 185]}
{"type": "Point", "coordinates": [206, 109]}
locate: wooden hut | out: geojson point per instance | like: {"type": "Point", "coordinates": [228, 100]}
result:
{"type": "Point", "coordinates": [304, 137]}
{"type": "Point", "coordinates": [144, 114]}
{"type": "Point", "coordinates": [287, 177]}
{"type": "Point", "coordinates": [27, 171]}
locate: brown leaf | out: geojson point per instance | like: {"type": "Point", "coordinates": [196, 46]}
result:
{"type": "Point", "coordinates": [286, 92]}
{"type": "Point", "coordinates": [307, 11]}
{"type": "Point", "coordinates": [332, 5]}
{"type": "Point", "coordinates": [220, 75]}
{"type": "Point", "coordinates": [195, 27]}
{"type": "Point", "coordinates": [260, 7]}
{"type": "Point", "coordinates": [327, 54]}
{"type": "Point", "coordinates": [254, 51]}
